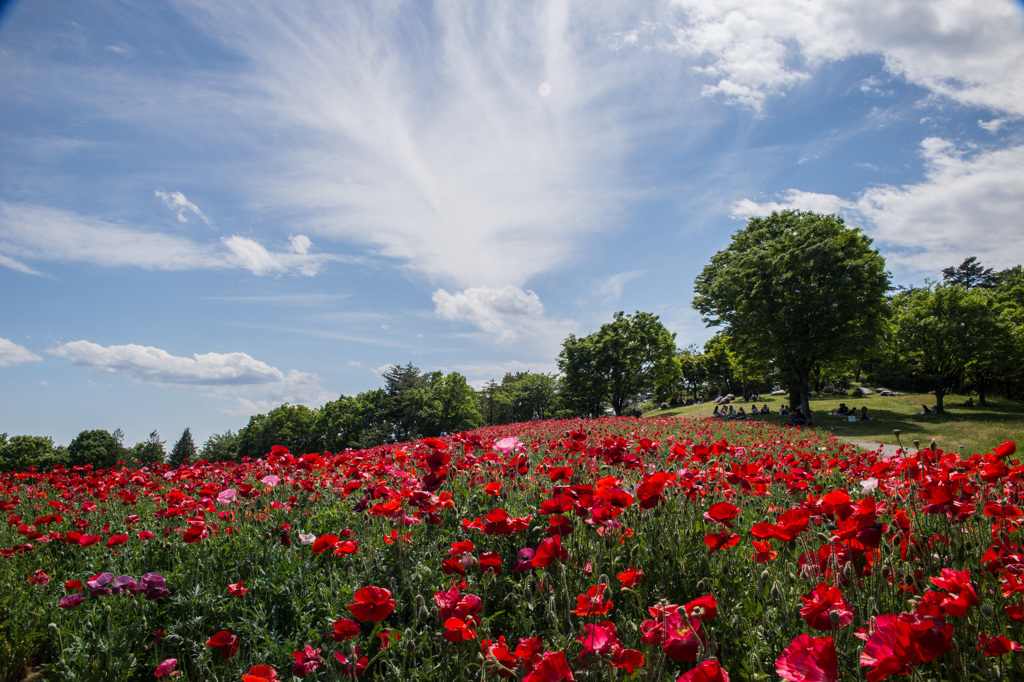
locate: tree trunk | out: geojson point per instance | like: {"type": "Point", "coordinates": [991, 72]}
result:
{"type": "Point", "coordinates": [939, 393]}
{"type": "Point", "coordinates": [805, 404]}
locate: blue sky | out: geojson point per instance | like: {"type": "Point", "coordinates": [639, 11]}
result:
{"type": "Point", "coordinates": [208, 209]}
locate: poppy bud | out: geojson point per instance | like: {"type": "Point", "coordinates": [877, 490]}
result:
{"type": "Point", "coordinates": [765, 575]}
{"type": "Point", "coordinates": [986, 610]}
{"type": "Point", "coordinates": [418, 601]}
{"type": "Point", "coordinates": [834, 617]}
{"type": "Point", "coordinates": [776, 590]}
{"type": "Point", "coordinates": [528, 594]}
{"type": "Point", "coordinates": [433, 613]}
{"type": "Point", "coordinates": [422, 614]}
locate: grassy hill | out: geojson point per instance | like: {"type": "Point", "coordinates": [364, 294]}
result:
{"type": "Point", "coordinates": [977, 429]}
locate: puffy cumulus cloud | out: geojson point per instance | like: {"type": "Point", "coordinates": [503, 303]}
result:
{"type": "Point", "coordinates": [39, 233]}
{"type": "Point", "coordinates": [245, 385]}
{"type": "Point", "coordinates": [15, 354]}
{"type": "Point", "coordinates": [176, 201]}
{"type": "Point", "coordinates": [146, 363]}
{"type": "Point", "coordinates": [967, 203]}
{"type": "Point", "coordinates": [971, 52]}
{"type": "Point", "coordinates": [506, 312]}
{"type": "Point", "coordinates": [793, 198]}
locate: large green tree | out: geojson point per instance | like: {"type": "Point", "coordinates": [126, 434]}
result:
{"type": "Point", "coordinates": [627, 361]}
{"type": "Point", "coordinates": [796, 288]}
{"type": "Point", "coordinates": [18, 453]}
{"type": "Point", "coordinates": [96, 447]}
{"type": "Point", "coordinates": [939, 330]}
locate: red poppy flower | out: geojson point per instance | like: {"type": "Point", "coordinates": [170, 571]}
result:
{"type": "Point", "coordinates": [236, 589]}
{"type": "Point", "coordinates": [458, 630]}
{"type": "Point", "coordinates": [166, 668]}
{"type": "Point", "coordinates": [708, 671]}
{"type": "Point", "coordinates": [997, 645]}
{"type": "Point", "coordinates": [552, 668]}
{"type": "Point", "coordinates": [501, 659]}
{"type": "Point", "coordinates": [324, 543]}
{"type": "Point", "coordinates": [490, 562]}
{"type": "Point", "coordinates": [593, 603]}
{"type": "Point", "coordinates": [629, 660]}
{"type": "Point", "coordinates": [723, 540]}
{"type": "Point", "coordinates": [705, 608]}
{"type": "Point", "coordinates": [763, 551]}
{"type": "Point", "coordinates": [115, 540]}
{"type": "Point", "coordinates": [631, 577]}
{"type": "Point", "coordinates": [723, 513]}
{"type": "Point", "coordinates": [821, 604]}
{"type": "Point", "coordinates": [372, 603]}
{"type": "Point", "coordinates": [550, 549]}
{"type": "Point", "coordinates": [306, 661]}
{"type": "Point", "coordinates": [344, 628]}
{"type": "Point", "coordinates": [260, 673]}
{"type": "Point", "coordinates": [598, 639]}
{"type": "Point", "coordinates": [808, 659]}
{"type": "Point", "coordinates": [38, 578]}
{"type": "Point", "coordinates": [225, 642]}
{"type": "Point", "coordinates": [962, 595]}
{"type": "Point", "coordinates": [349, 667]}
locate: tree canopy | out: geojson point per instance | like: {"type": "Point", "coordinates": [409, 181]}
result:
{"type": "Point", "coordinates": [796, 288]}
{"type": "Point", "coordinates": [626, 362]}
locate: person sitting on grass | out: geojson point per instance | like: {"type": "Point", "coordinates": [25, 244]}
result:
{"type": "Point", "coordinates": [864, 414]}
{"type": "Point", "coordinates": [764, 410]}
{"type": "Point", "coordinates": [741, 414]}
{"type": "Point", "coordinates": [843, 409]}
{"type": "Point", "coordinates": [796, 418]}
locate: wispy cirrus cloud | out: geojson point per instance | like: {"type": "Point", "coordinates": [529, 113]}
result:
{"type": "Point", "coordinates": [12, 353]}
{"type": "Point", "coordinates": [241, 381]}
{"type": "Point", "coordinates": [36, 233]}
{"type": "Point", "coordinates": [177, 202]}
{"type": "Point", "coordinates": [474, 143]}
{"type": "Point", "coordinates": [968, 202]}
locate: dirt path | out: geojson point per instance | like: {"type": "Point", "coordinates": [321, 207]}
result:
{"type": "Point", "coordinates": [887, 449]}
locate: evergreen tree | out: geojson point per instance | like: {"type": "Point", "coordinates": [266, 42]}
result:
{"type": "Point", "coordinates": [150, 451]}
{"type": "Point", "coordinates": [184, 450]}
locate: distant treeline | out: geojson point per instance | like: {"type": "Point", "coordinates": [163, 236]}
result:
{"type": "Point", "coordinates": [962, 335]}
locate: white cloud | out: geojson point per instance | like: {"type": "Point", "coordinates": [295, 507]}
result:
{"type": "Point", "coordinates": [968, 51]}
{"type": "Point", "coordinates": [38, 233]}
{"type": "Point", "coordinates": [477, 375]}
{"type": "Point", "coordinates": [966, 204]}
{"type": "Point", "coordinates": [507, 312]}
{"type": "Point", "coordinates": [146, 363]}
{"type": "Point", "coordinates": [432, 139]}
{"type": "Point", "coordinates": [245, 384]}
{"type": "Point", "coordinates": [176, 201]}
{"type": "Point", "coordinates": [994, 125]}
{"type": "Point", "coordinates": [610, 288]}
{"type": "Point", "coordinates": [14, 354]}
{"type": "Point", "coordinates": [793, 198]}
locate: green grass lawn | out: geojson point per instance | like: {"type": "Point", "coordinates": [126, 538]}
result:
{"type": "Point", "coordinates": [977, 429]}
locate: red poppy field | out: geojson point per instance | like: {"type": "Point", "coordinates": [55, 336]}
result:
{"type": "Point", "coordinates": [615, 549]}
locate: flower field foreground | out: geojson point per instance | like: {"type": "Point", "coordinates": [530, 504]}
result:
{"type": "Point", "coordinates": [655, 549]}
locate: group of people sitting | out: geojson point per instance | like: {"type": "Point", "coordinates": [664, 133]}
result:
{"type": "Point", "coordinates": [731, 412]}
{"type": "Point", "coordinates": [852, 412]}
